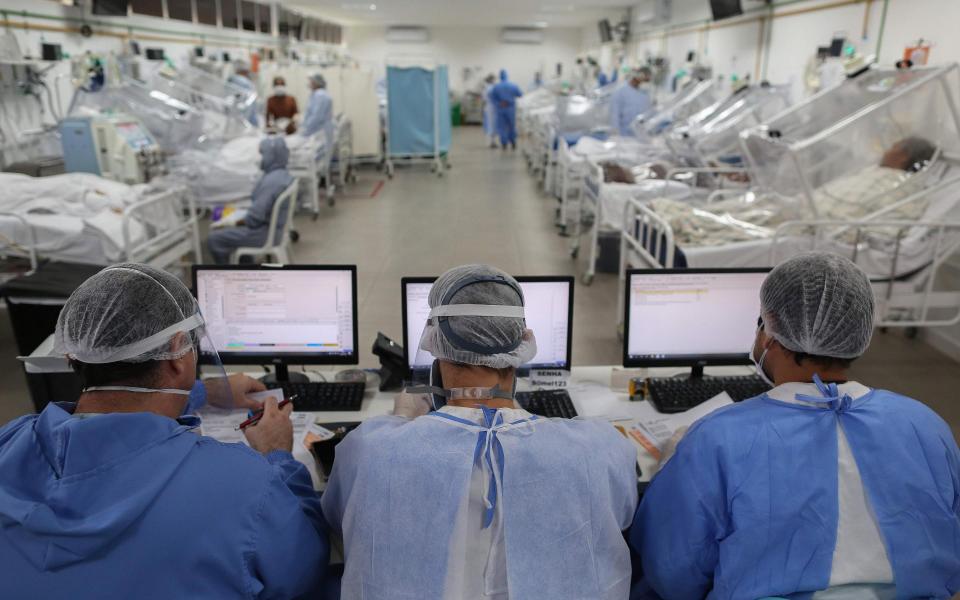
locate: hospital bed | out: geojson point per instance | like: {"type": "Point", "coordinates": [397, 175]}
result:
{"type": "Point", "coordinates": [817, 184]}
{"type": "Point", "coordinates": [83, 218]}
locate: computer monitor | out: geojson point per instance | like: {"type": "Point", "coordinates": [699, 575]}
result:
{"type": "Point", "coordinates": [691, 317]}
{"type": "Point", "coordinates": [549, 313]}
{"type": "Point", "coordinates": [280, 315]}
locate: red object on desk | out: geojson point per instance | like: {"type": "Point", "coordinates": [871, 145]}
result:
{"type": "Point", "coordinates": [259, 414]}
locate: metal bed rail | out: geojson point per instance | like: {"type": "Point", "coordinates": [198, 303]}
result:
{"type": "Point", "coordinates": [906, 295]}
{"type": "Point", "coordinates": [31, 249]}
{"type": "Point", "coordinates": [646, 236]}
{"type": "Point", "coordinates": [167, 246]}
{"type": "Point", "coordinates": [591, 191]}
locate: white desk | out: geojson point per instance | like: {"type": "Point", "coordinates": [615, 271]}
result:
{"type": "Point", "coordinates": [589, 388]}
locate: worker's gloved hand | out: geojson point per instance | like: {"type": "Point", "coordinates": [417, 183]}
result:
{"type": "Point", "coordinates": [274, 430]}
{"type": "Point", "coordinates": [240, 386]}
{"type": "Point", "coordinates": [670, 447]}
{"type": "Point", "coordinates": [411, 406]}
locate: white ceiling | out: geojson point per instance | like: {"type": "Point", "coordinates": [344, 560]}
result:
{"type": "Point", "coordinates": [531, 13]}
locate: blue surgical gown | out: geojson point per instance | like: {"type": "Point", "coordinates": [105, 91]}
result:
{"type": "Point", "coordinates": [566, 490]}
{"type": "Point", "coordinates": [748, 506]}
{"type": "Point", "coordinates": [137, 505]}
{"type": "Point", "coordinates": [504, 95]}
{"type": "Point", "coordinates": [626, 104]}
{"type": "Point", "coordinates": [319, 115]}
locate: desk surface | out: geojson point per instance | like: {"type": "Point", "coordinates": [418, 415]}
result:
{"type": "Point", "coordinates": [589, 388]}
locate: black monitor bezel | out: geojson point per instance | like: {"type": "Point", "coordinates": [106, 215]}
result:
{"type": "Point", "coordinates": [289, 358]}
{"type": "Point", "coordinates": [693, 361]}
{"type": "Point", "coordinates": [568, 279]}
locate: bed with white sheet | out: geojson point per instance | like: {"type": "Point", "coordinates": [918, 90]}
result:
{"type": "Point", "coordinates": [80, 217]}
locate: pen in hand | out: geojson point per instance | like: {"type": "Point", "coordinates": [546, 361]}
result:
{"type": "Point", "coordinates": [256, 416]}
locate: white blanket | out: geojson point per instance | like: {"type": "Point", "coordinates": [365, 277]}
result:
{"type": "Point", "coordinates": [66, 211]}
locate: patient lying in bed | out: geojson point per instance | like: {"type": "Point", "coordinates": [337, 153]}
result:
{"type": "Point", "coordinates": [754, 216]}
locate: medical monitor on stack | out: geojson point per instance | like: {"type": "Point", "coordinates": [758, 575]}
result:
{"type": "Point", "coordinates": [549, 313]}
{"type": "Point", "coordinates": [691, 317]}
{"type": "Point", "coordinates": [280, 315]}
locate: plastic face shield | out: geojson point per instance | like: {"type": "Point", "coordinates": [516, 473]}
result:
{"type": "Point", "coordinates": [211, 373]}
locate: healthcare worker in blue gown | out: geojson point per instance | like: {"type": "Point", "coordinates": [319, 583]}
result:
{"type": "Point", "coordinates": [478, 498]}
{"type": "Point", "coordinates": [254, 228]}
{"type": "Point", "coordinates": [822, 487]}
{"type": "Point", "coordinates": [319, 115]}
{"type": "Point", "coordinates": [629, 101]}
{"type": "Point", "coordinates": [118, 496]}
{"type": "Point", "coordinates": [504, 95]}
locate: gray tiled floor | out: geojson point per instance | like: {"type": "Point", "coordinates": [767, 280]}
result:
{"type": "Point", "coordinates": [488, 209]}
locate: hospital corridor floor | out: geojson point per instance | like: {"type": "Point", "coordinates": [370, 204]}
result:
{"type": "Point", "coordinates": [488, 209]}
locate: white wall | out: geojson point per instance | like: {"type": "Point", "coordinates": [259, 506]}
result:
{"type": "Point", "coordinates": [733, 47]}
{"type": "Point", "coordinates": [471, 47]}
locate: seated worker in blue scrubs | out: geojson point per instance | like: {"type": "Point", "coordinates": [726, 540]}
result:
{"type": "Point", "coordinates": [820, 488]}
{"type": "Point", "coordinates": [254, 229]}
{"type": "Point", "coordinates": [118, 496]}
{"type": "Point", "coordinates": [479, 498]}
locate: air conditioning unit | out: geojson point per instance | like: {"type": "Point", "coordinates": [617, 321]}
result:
{"type": "Point", "coordinates": [653, 13]}
{"type": "Point", "coordinates": [408, 35]}
{"type": "Point", "coordinates": [521, 35]}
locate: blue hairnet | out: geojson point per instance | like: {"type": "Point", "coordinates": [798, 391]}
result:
{"type": "Point", "coordinates": [503, 74]}
{"type": "Point", "coordinates": [820, 304]}
{"type": "Point", "coordinates": [274, 154]}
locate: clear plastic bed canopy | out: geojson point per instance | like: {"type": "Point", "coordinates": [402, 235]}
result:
{"type": "Point", "coordinates": [692, 99]}
{"type": "Point", "coordinates": [174, 124]}
{"type": "Point", "coordinates": [878, 118]}
{"type": "Point", "coordinates": [583, 113]}
{"type": "Point", "coordinates": [714, 133]}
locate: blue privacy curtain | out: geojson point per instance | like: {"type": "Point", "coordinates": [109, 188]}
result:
{"type": "Point", "coordinates": [410, 102]}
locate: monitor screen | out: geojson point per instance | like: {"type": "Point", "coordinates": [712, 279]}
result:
{"type": "Point", "coordinates": [724, 9]}
{"type": "Point", "coordinates": [110, 8]}
{"type": "Point", "coordinates": [606, 31]}
{"type": "Point", "coordinates": [691, 316]}
{"type": "Point", "coordinates": [549, 313]}
{"type": "Point", "coordinates": [297, 314]}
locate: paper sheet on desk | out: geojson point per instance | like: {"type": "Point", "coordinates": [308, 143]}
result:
{"type": "Point", "coordinates": [222, 425]}
{"type": "Point", "coordinates": [656, 431]}
{"type": "Point", "coordinates": [593, 399]}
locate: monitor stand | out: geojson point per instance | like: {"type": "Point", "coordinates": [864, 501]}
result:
{"type": "Point", "coordinates": [696, 372]}
{"type": "Point", "coordinates": [281, 374]}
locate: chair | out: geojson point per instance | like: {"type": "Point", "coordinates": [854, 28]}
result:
{"type": "Point", "coordinates": [277, 244]}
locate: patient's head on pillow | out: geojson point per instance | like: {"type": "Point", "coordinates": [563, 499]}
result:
{"type": "Point", "coordinates": [910, 154]}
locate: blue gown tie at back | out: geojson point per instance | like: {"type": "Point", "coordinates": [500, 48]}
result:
{"type": "Point", "coordinates": [830, 395]}
{"type": "Point", "coordinates": [488, 447]}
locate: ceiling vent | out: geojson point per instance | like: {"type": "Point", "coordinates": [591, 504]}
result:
{"type": "Point", "coordinates": [408, 35]}
{"type": "Point", "coordinates": [521, 35]}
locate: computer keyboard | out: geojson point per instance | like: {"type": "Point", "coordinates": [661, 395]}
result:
{"type": "Point", "coordinates": [547, 403]}
{"type": "Point", "coordinates": [323, 396]}
{"type": "Point", "coordinates": [677, 394]}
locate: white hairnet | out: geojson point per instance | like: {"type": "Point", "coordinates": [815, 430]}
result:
{"type": "Point", "coordinates": [820, 304]}
{"type": "Point", "coordinates": [477, 319]}
{"type": "Point", "coordinates": [319, 80]}
{"type": "Point", "coordinates": [128, 313]}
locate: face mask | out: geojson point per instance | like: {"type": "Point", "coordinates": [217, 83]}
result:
{"type": "Point", "coordinates": [279, 90]}
{"type": "Point", "coordinates": [759, 364]}
{"type": "Point", "coordinates": [196, 397]}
